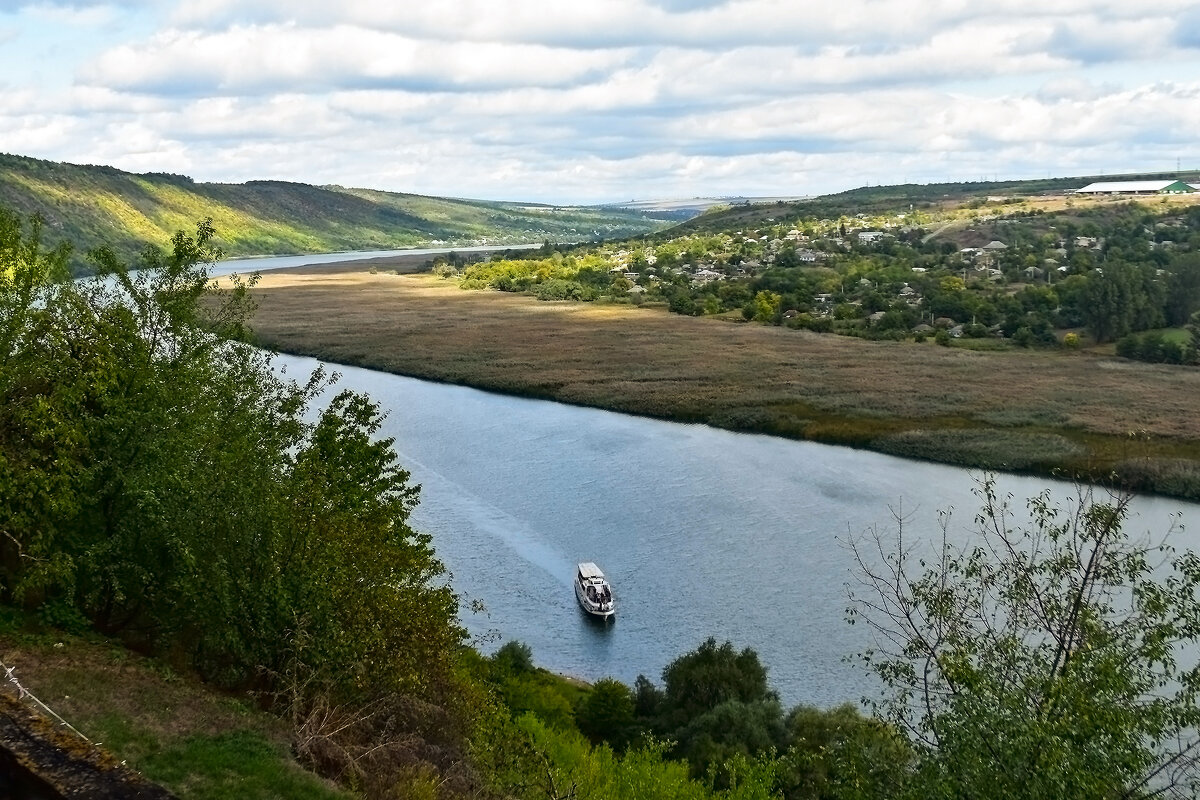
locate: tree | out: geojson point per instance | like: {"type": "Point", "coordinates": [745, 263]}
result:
{"type": "Point", "coordinates": [710, 675]}
{"type": "Point", "coordinates": [767, 306]}
{"type": "Point", "coordinates": [1183, 296]}
{"type": "Point", "coordinates": [1046, 659]}
{"type": "Point", "coordinates": [1122, 299]}
{"type": "Point", "coordinates": [606, 714]}
{"type": "Point", "coordinates": [161, 483]}
{"type": "Point", "coordinates": [841, 754]}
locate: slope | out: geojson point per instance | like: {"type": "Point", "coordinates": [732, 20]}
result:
{"type": "Point", "coordinates": [94, 205]}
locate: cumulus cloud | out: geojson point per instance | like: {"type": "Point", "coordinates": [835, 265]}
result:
{"type": "Point", "coordinates": [286, 58]}
{"type": "Point", "coordinates": [604, 99]}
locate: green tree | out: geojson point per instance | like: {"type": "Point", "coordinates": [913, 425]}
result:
{"type": "Point", "coordinates": [1122, 299]}
{"type": "Point", "coordinates": [159, 481]}
{"type": "Point", "coordinates": [1183, 288]}
{"type": "Point", "coordinates": [766, 306]}
{"type": "Point", "coordinates": [1048, 659]}
{"type": "Point", "coordinates": [840, 754]}
{"type": "Point", "coordinates": [606, 714]}
{"type": "Point", "coordinates": [710, 675]}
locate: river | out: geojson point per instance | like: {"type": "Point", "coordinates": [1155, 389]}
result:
{"type": "Point", "coordinates": [244, 266]}
{"type": "Point", "coordinates": [703, 532]}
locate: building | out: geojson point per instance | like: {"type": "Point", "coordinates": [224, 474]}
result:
{"type": "Point", "coordinates": [1137, 187]}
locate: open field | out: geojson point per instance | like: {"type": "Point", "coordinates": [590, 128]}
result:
{"type": "Point", "coordinates": [1083, 412]}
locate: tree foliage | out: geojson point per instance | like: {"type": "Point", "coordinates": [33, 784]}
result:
{"type": "Point", "coordinates": [160, 482]}
{"type": "Point", "coordinates": [1047, 659]}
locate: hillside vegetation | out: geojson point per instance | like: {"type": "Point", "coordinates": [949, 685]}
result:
{"type": "Point", "coordinates": [162, 485]}
{"type": "Point", "coordinates": [929, 197]}
{"type": "Point", "coordinates": [97, 205]}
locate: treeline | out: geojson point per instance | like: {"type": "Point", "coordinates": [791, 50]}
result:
{"type": "Point", "coordinates": [714, 728]}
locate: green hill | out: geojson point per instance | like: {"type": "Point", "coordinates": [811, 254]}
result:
{"type": "Point", "coordinates": [878, 199]}
{"type": "Point", "coordinates": [94, 205]}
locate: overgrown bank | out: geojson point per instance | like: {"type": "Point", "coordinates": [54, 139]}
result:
{"type": "Point", "coordinates": [1063, 412]}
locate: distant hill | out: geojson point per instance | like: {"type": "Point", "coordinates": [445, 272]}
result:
{"type": "Point", "coordinates": [94, 205]}
{"type": "Point", "coordinates": [686, 209]}
{"type": "Point", "coordinates": [876, 199]}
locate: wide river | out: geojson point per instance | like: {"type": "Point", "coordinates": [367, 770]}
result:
{"type": "Point", "coordinates": [703, 532]}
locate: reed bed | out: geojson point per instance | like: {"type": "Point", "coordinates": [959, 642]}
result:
{"type": "Point", "coordinates": [1025, 410]}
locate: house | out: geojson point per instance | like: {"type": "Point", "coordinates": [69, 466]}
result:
{"type": "Point", "coordinates": [995, 245]}
{"type": "Point", "coordinates": [1137, 187]}
{"type": "Point", "coordinates": [867, 237]}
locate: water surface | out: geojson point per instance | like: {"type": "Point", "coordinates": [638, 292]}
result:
{"type": "Point", "coordinates": [703, 532]}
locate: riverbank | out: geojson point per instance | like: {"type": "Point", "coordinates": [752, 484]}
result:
{"type": "Point", "coordinates": [1082, 414]}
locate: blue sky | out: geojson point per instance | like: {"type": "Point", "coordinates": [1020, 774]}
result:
{"type": "Point", "coordinates": [600, 100]}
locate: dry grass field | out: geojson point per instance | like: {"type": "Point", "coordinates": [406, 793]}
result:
{"type": "Point", "coordinates": [1083, 412]}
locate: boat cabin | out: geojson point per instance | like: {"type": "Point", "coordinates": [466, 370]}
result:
{"type": "Point", "coordinates": [592, 588]}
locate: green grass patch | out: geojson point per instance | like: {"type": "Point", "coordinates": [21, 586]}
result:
{"type": "Point", "coordinates": [984, 448]}
{"type": "Point", "coordinates": [233, 766]}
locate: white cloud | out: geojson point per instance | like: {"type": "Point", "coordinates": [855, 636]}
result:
{"type": "Point", "coordinates": [285, 57]}
{"type": "Point", "coordinates": [605, 99]}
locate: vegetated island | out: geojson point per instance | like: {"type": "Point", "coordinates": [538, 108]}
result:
{"type": "Point", "coordinates": [1027, 380]}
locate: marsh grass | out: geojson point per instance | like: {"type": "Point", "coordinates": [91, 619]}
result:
{"type": "Point", "coordinates": [745, 376]}
{"type": "Point", "coordinates": [1178, 477]}
{"type": "Point", "coordinates": [983, 448]}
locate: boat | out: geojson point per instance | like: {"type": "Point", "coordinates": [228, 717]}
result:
{"type": "Point", "coordinates": [593, 592]}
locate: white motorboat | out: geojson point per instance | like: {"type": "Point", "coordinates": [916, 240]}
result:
{"type": "Point", "coordinates": [593, 592]}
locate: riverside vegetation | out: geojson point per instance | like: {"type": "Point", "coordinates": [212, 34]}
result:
{"type": "Point", "coordinates": [162, 487]}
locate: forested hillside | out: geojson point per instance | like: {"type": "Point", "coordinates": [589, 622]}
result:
{"type": "Point", "coordinates": [96, 205]}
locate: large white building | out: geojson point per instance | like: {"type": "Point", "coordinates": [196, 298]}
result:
{"type": "Point", "coordinates": [1136, 187]}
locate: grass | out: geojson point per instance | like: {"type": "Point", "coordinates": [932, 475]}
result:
{"type": "Point", "coordinates": [878, 395]}
{"type": "Point", "coordinates": [199, 744]}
